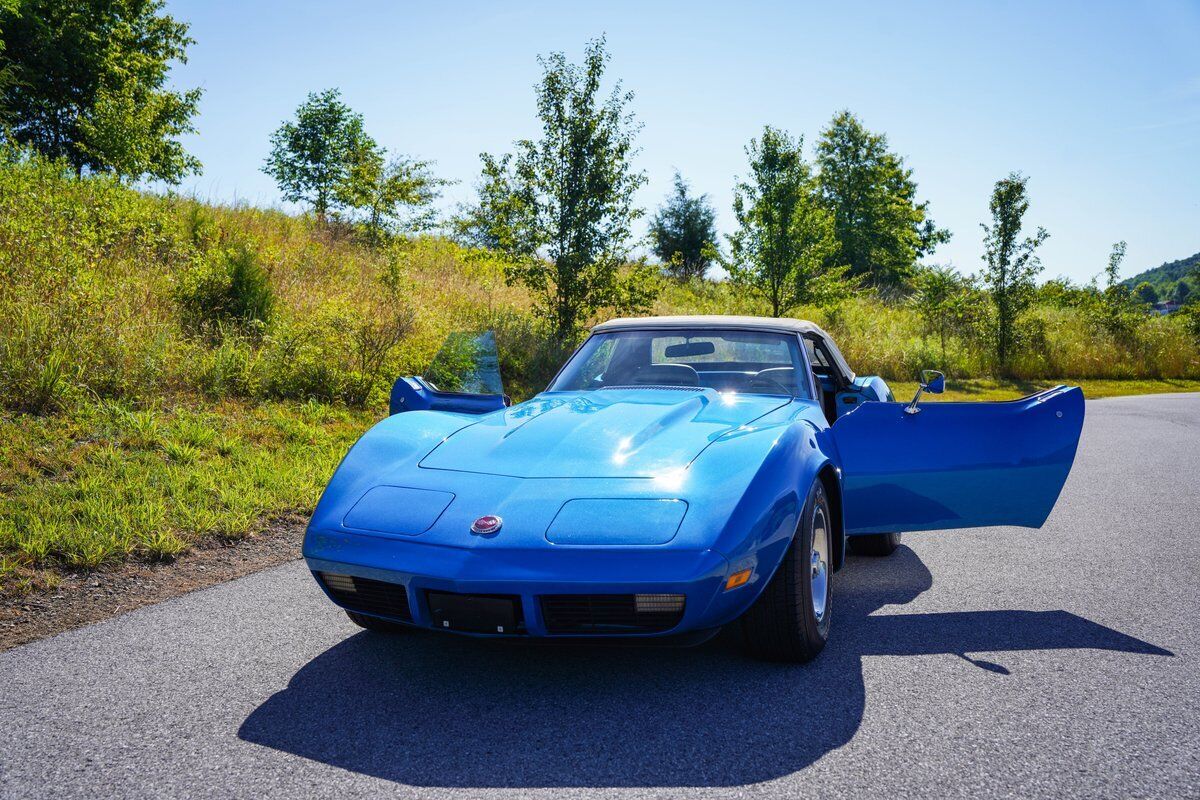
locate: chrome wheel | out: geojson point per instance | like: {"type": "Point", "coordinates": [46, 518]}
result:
{"type": "Point", "coordinates": [819, 560]}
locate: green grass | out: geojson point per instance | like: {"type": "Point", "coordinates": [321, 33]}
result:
{"type": "Point", "coordinates": [992, 389]}
{"type": "Point", "coordinates": [108, 483]}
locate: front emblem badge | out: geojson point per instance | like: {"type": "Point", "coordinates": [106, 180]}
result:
{"type": "Point", "coordinates": [486, 526]}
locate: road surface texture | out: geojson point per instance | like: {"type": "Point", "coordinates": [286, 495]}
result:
{"type": "Point", "coordinates": [1063, 662]}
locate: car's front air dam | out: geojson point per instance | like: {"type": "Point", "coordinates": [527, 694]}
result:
{"type": "Point", "coordinates": [532, 574]}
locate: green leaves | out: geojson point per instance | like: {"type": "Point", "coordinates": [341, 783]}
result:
{"type": "Point", "coordinates": [1011, 262]}
{"type": "Point", "coordinates": [880, 228]}
{"type": "Point", "coordinates": [86, 82]}
{"type": "Point", "coordinates": [388, 195]}
{"type": "Point", "coordinates": [311, 156]}
{"type": "Point", "coordinates": [326, 159]}
{"type": "Point", "coordinates": [561, 207]}
{"type": "Point", "coordinates": [225, 288]}
{"type": "Point", "coordinates": [133, 132]}
{"type": "Point", "coordinates": [684, 233]}
{"type": "Point", "coordinates": [1116, 308]}
{"type": "Point", "coordinates": [946, 303]}
{"type": "Point", "coordinates": [785, 248]}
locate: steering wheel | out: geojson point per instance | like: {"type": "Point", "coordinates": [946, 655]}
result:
{"type": "Point", "coordinates": [762, 379]}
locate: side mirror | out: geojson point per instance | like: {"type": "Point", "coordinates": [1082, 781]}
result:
{"type": "Point", "coordinates": [933, 382]}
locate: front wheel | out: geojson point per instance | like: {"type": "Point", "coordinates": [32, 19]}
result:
{"type": "Point", "coordinates": [790, 621]}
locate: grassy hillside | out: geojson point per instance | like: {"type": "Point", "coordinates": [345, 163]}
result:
{"type": "Point", "coordinates": [1164, 277]}
{"type": "Point", "coordinates": [172, 371]}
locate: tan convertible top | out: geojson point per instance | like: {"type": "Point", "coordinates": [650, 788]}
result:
{"type": "Point", "coordinates": [724, 322]}
{"type": "Point", "coordinates": [782, 325]}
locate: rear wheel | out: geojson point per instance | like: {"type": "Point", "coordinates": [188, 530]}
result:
{"type": "Point", "coordinates": [375, 623]}
{"type": "Point", "coordinates": [790, 621]}
{"type": "Point", "coordinates": [875, 544]}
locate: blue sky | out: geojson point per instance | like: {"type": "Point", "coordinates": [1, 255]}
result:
{"type": "Point", "coordinates": [1098, 103]}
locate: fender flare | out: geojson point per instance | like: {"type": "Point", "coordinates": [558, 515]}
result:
{"type": "Point", "coordinates": [803, 454]}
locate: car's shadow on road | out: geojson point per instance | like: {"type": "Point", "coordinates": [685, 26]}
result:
{"type": "Point", "coordinates": [431, 710]}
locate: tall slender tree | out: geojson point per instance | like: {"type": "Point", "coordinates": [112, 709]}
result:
{"type": "Point", "coordinates": [1011, 262]}
{"type": "Point", "coordinates": [562, 207]}
{"type": "Point", "coordinates": [88, 84]}
{"type": "Point", "coordinates": [881, 229]}
{"type": "Point", "coordinates": [785, 242]}
{"type": "Point", "coordinates": [1116, 308]}
{"type": "Point", "coordinates": [684, 232]}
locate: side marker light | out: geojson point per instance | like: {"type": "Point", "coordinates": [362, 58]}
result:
{"type": "Point", "coordinates": [740, 578]}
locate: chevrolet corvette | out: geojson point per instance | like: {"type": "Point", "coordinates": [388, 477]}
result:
{"type": "Point", "coordinates": [678, 475]}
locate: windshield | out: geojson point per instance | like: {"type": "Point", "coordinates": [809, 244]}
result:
{"type": "Point", "coordinates": [728, 361]}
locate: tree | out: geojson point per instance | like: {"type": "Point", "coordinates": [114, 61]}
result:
{"type": "Point", "coordinates": [6, 70]}
{"type": "Point", "coordinates": [1116, 308]}
{"type": "Point", "coordinates": [881, 230]}
{"type": "Point", "coordinates": [562, 207]}
{"type": "Point", "coordinates": [1146, 292]}
{"type": "Point", "coordinates": [88, 85]}
{"type": "Point", "coordinates": [1181, 292]}
{"type": "Point", "coordinates": [684, 233]}
{"type": "Point", "coordinates": [391, 193]}
{"type": "Point", "coordinates": [942, 298]}
{"type": "Point", "coordinates": [311, 156]}
{"type": "Point", "coordinates": [1011, 263]}
{"type": "Point", "coordinates": [785, 240]}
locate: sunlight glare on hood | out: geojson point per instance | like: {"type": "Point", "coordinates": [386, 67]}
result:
{"type": "Point", "coordinates": [671, 479]}
{"type": "Point", "coordinates": [623, 452]}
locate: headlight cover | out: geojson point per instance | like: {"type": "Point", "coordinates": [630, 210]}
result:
{"type": "Point", "coordinates": [617, 521]}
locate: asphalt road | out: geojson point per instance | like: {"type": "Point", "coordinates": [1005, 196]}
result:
{"type": "Point", "coordinates": [1059, 663]}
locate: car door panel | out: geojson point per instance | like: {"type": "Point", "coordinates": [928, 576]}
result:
{"type": "Point", "coordinates": [957, 465]}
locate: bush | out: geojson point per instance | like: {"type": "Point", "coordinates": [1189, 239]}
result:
{"type": "Point", "coordinates": [226, 288]}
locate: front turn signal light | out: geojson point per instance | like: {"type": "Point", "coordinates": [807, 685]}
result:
{"type": "Point", "coordinates": [740, 578]}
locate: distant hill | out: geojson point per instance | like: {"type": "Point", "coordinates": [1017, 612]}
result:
{"type": "Point", "coordinates": [1165, 276]}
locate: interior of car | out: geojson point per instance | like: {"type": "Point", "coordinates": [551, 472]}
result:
{"type": "Point", "coordinates": [828, 378]}
{"type": "Point", "coordinates": [726, 361]}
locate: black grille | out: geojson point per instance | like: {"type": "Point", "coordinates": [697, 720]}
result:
{"type": "Point", "coordinates": [368, 596]}
{"type": "Point", "coordinates": [611, 613]}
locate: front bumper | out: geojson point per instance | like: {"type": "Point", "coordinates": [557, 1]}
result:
{"type": "Point", "coordinates": [531, 574]}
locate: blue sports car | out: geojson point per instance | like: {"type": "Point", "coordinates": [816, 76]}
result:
{"type": "Point", "coordinates": [679, 474]}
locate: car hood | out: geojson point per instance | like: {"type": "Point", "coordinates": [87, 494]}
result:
{"type": "Point", "coordinates": [611, 433]}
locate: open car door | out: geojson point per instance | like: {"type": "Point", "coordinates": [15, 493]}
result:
{"type": "Point", "coordinates": [957, 465]}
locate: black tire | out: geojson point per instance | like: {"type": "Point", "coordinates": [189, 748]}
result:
{"type": "Point", "coordinates": [376, 624]}
{"type": "Point", "coordinates": [875, 544]}
{"type": "Point", "coordinates": [782, 625]}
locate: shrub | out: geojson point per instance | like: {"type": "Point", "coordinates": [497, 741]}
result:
{"type": "Point", "coordinates": [226, 288]}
